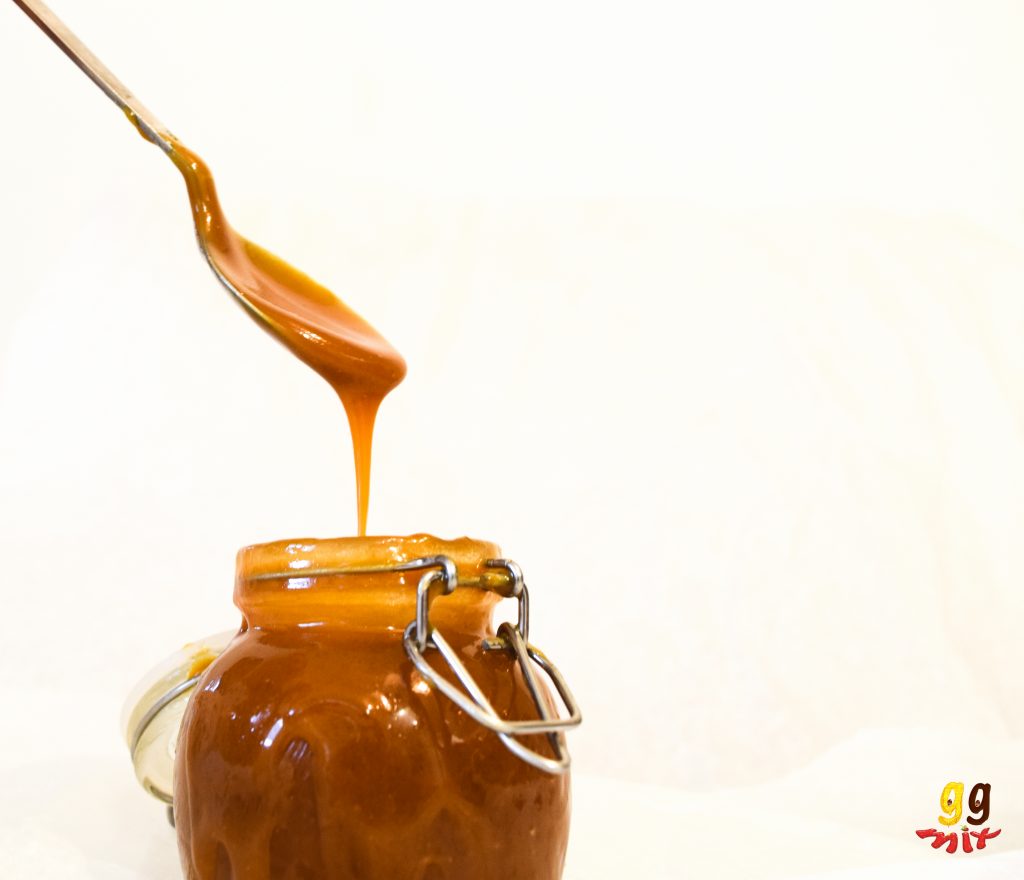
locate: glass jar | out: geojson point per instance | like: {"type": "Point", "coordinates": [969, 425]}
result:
{"type": "Point", "coordinates": [340, 735]}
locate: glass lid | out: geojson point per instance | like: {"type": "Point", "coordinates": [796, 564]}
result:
{"type": "Point", "coordinates": [153, 711]}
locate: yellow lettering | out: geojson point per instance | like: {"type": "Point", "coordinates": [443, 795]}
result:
{"type": "Point", "coordinates": [951, 802]}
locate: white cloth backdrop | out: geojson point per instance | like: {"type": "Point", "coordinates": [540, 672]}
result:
{"type": "Point", "coordinates": [724, 304]}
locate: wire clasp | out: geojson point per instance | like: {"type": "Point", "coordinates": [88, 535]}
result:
{"type": "Point", "coordinates": [420, 636]}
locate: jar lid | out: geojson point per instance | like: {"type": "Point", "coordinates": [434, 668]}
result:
{"type": "Point", "coordinates": [153, 711]}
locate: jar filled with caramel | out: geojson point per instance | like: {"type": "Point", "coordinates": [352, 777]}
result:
{"type": "Point", "coordinates": [339, 734]}
{"type": "Point", "coordinates": [369, 721]}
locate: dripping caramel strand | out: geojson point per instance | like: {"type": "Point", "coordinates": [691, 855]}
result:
{"type": "Point", "coordinates": [319, 329]}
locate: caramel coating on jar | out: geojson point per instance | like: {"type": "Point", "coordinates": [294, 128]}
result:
{"type": "Point", "coordinates": [312, 748]}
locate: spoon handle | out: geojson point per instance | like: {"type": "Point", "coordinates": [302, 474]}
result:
{"type": "Point", "coordinates": [148, 125]}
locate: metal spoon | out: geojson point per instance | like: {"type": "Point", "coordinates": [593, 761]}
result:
{"type": "Point", "coordinates": [360, 365]}
{"type": "Point", "coordinates": [150, 127]}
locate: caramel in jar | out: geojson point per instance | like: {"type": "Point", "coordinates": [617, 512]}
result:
{"type": "Point", "coordinates": [312, 748]}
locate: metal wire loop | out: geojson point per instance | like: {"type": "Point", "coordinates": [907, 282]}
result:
{"type": "Point", "coordinates": [419, 636]}
{"type": "Point", "coordinates": [519, 592]}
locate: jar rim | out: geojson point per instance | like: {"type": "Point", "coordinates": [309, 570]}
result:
{"type": "Point", "coordinates": [301, 557]}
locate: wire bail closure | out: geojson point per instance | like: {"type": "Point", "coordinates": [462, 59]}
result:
{"type": "Point", "coordinates": [421, 636]}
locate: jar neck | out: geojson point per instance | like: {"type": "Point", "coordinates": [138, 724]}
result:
{"type": "Point", "coordinates": [304, 583]}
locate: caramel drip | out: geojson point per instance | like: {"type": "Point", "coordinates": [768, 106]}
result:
{"type": "Point", "coordinates": [319, 329]}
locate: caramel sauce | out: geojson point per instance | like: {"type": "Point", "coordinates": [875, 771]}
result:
{"type": "Point", "coordinates": [200, 661]}
{"type": "Point", "coordinates": [319, 329]}
{"type": "Point", "coordinates": [312, 749]}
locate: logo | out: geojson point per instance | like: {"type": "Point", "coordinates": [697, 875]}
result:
{"type": "Point", "coordinates": [951, 802]}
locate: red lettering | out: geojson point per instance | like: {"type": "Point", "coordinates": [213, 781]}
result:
{"type": "Point", "coordinates": [985, 835]}
{"type": "Point", "coordinates": [949, 839]}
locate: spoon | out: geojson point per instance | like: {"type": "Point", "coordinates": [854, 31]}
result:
{"type": "Point", "coordinates": [152, 129]}
{"type": "Point", "coordinates": [360, 365]}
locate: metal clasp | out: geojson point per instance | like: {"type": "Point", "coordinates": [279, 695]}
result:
{"type": "Point", "coordinates": [420, 636]}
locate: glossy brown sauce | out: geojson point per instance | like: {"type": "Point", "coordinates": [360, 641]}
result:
{"type": "Point", "coordinates": [319, 329]}
{"type": "Point", "coordinates": [313, 749]}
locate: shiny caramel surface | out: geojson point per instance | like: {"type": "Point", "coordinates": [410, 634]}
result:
{"type": "Point", "coordinates": [312, 748]}
{"type": "Point", "coordinates": [323, 332]}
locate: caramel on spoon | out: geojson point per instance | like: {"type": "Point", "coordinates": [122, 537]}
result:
{"type": "Point", "coordinates": [312, 322]}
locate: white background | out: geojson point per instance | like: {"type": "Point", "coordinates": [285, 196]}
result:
{"type": "Point", "coordinates": [713, 314]}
